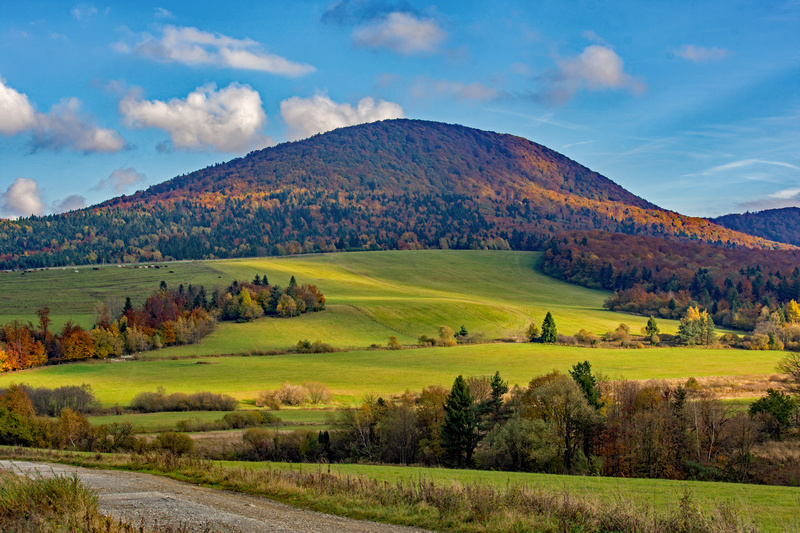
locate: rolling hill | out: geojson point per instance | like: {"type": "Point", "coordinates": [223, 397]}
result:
{"type": "Point", "coordinates": [781, 225]}
{"type": "Point", "coordinates": [397, 184]}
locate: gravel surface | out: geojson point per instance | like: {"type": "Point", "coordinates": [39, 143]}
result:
{"type": "Point", "coordinates": [144, 499]}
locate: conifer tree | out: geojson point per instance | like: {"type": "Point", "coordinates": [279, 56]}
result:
{"type": "Point", "coordinates": [549, 332]}
{"type": "Point", "coordinates": [459, 432]}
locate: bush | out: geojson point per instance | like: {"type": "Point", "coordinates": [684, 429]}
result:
{"type": "Point", "coordinates": [160, 401]}
{"type": "Point", "coordinates": [176, 443]}
{"type": "Point", "coordinates": [269, 399]}
{"type": "Point", "coordinates": [317, 392]}
{"type": "Point", "coordinates": [316, 347]}
{"type": "Point", "coordinates": [293, 394]}
{"type": "Point", "coordinates": [50, 402]}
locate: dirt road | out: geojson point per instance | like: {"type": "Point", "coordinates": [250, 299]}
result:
{"type": "Point", "coordinates": [149, 500]}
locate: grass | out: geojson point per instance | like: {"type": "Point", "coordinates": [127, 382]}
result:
{"type": "Point", "coordinates": [371, 295]}
{"type": "Point", "coordinates": [157, 422]}
{"type": "Point", "coordinates": [462, 500]}
{"type": "Point", "coordinates": [350, 375]}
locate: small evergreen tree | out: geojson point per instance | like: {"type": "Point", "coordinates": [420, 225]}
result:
{"type": "Point", "coordinates": [462, 332]}
{"type": "Point", "coordinates": [549, 332]}
{"type": "Point", "coordinates": [582, 375]}
{"type": "Point", "coordinates": [652, 327]}
{"type": "Point", "coordinates": [459, 431]}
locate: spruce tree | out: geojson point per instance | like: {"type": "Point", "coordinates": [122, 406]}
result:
{"type": "Point", "coordinates": [582, 375]}
{"type": "Point", "coordinates": [459, 432]}
{"type": "Point", "coordinates": [652, 327]}
{"type": "Point", "coordinates": [549, 333]}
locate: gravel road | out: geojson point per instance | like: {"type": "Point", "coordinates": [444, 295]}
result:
{"type": "Point", "coordinates": [154, 500]}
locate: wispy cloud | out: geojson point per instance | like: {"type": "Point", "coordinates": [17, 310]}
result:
{"type": "Point", "coordinates": [228, 120]}
{"type": "Point", "coordinates": [318, 114]}
{"type": "Point", "coordinates": [403, 33]}
{"type": "Point", "coordinates": [191, 46]}
{"type": "Point", "coordinates": [121, 180]}
{"type": "Point", "coordinates": [65, 126]}
{"type": "Point", "coordinates": [746, 163]}
{"type": "Point", "coordinates": [699, 54]}
{"type": "Point", "coordinates": [70, 203]}
{"type": "Point", "coordinates": [348, 12]}
{"type": "Point", "coordinates": [425, 87]}
{"type": "Point", "coordinates": [83, 11]}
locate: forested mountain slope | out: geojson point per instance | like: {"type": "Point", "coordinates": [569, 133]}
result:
{"type": "Point", "coordinates": [781, 225]}
{"type": "Point", "coordinates": [386, 185]}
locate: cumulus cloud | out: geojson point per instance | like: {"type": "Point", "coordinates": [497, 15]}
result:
{"type": "Point", "coordinates": [699, 54]}
{"type": "Point", "coordinates": [121, 179]}
{"type": "Point", "coordinates": [318, 114]}
{"type": "Point", "coordinates": [404, 33]}
{"type": "Point", "coordinates": [70, 203]}
{"type": "Point", "coordinates": [22, 199]}
{"type": "Point", "coordinates": [425, 87]}
{"type": "Point", "coordinates": [229, 119]}
{"type": "Point", "coordinates": [191, 46]}
{"type": "Point", "coordinates": [597, 68]}
{"type": "Point", "coordinates": [66, 126]}
{"type": "Point", "coordinates": [16, 112]}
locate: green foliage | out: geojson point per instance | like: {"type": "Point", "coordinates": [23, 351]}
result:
{"type": "Point", "coordinates": [549, 332]}
{"type": "Point", "coordinates": [532, 333]}
{"type": "Point", "coordinates": [460, 431]}
{"type": "Point", "coordinates": [582, 375]}
{"type": "Point", "coordinates": [779, 407]}
{"type": "Point", "coordinates": [652, 327]}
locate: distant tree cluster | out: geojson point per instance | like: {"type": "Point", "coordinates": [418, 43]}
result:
{"type": "Point", "coordinates": [168, 317]}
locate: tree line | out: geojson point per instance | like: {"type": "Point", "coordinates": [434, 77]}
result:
{"type": "Point", "coordinates": [168, 317]}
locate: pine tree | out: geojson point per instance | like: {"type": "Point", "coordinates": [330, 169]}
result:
{"type": "Point", "coordinates": [582, 375]}
{"type": "Point", "coordinates": [459, 432]}
{"type": "Point", "coordinates": [652, 327]}
{"type": "Point", "coordinates": [549, 332]}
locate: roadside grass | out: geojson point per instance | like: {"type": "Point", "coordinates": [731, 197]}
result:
{"type": "Point", "coordinates": [463, 500]}
{"type": "Point", "coordinates": [350, 375]}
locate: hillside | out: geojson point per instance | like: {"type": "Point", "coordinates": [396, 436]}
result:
{"type": "Point", "coordinates": [399, 184]}
{"type": "Point", "coordinates": [780, 225]}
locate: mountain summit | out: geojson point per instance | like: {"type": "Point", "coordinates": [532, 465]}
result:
{"type": "Point", "coordinates": [384, 185]}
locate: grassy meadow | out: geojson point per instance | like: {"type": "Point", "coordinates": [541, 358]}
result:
{"type": "Point", "coordinates": [371, 295]}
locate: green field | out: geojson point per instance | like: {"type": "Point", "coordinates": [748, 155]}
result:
{"type": "Point", "coordinates": [350, 375]}
{"type": "Point", "coordinates": [772, 508]}
{"type": "Point", "coordinates": [371, 295]}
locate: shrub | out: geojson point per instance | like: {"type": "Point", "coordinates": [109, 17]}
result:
{"type": "Point", "coordinates": [176, 443]}
{"type": "Point", "coordinates": [293, 394]}
{"type": "Point", "coordinates": [50, 402]}
{"type": "Point", "coordinates": [269, 399]}
{"type": "Point", "coordinates": [394, 344]}
{"type": "Point", "coordinates": [160, 401]}
{"type": "Point", "coordinates": [317, 392]}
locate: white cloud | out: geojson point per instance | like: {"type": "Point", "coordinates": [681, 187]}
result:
{"type": "Point", "coordinates": [16, 112]}
{"type": "Point", "coordinates": [22, 199]}
{"type": "Point", "coordinates": [83, 11]}
{"type": "Point", "coordinates": [229, 119]}
{"type": "Point", "coordinates": [597, 68]}
{"type": "Point", "coordinates": [403, 33]}
{"type": "Point", "coordinates": [191, 46]}
{"type": "Point", "coordinates": [425, 87]}
{"type": "Point", "coordinates": [699, 54]}
{"type": "Point", "coordinates": [121, 180]}
{"type": "Point", "coordinates": [70, 203]}
{"type": "Point", "coordinates": [318, 114]}
{"type": "Point", "coordinates": [746, 163]}
{"type": "Point", "coordinates": [162, 13]}
{"type": "Point", "coordinates": [66, 126]}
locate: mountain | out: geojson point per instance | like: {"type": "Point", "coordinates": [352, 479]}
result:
{"type": "Point", "coordinates": [385, 185]}
{"type": "Point", "coordinates": [781, 225]}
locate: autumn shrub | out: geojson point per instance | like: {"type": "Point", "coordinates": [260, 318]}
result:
{"type": "Point", "coordinates": [586, 337]}
{"type": "Point", "coordinates": [269, 399]}
{"type": "Point", "coordinates": [567, 339]}
{"type": "Point", "coordinates": [293, 394]}
{"type": "Point", "coordinates": [317, 392]}
{"type": "Point", "coordinates": [50, 402]}
{"type": "Point", "coordinates": [160, 401]}
{"type": "Point", "coordinates": [176, 443]}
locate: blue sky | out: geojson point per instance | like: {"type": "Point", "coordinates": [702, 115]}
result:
{"type": "Point", "coordinates": [693, 105]}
